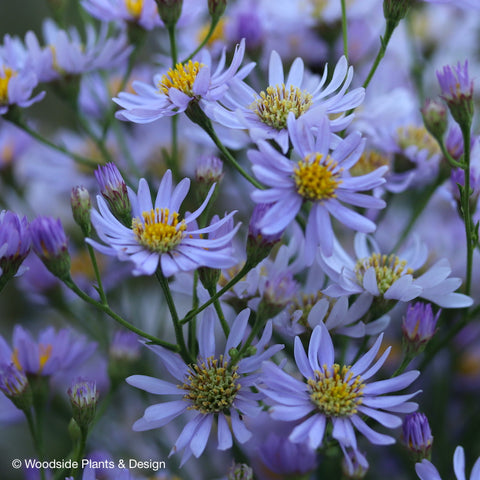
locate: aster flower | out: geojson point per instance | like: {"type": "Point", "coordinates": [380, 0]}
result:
{"type": "Point", "coordinates": [52, 354]}
{"type": "Point", "coordinates": [158, 236]}
{"type": "Point", "coordinates": [304, 95]}
{"type": "Point", "coordinates": [391, 277]}
{"type": "Point", "coordinates": [417, 435]}
{"type": "Point", "coordinates": [65, 53]}
{"type": "Point", "coordinates": [16, 81]}
{"type": "Point", "coordinates": [212, 388]}
{"type": "Point", "coordinates": [316, 174]}
{"type": "Point", "coordinates": [178, 87]}
{"type": "Point", "coordinates": [426, 471]}
{"type": "Point", "coordinates": [14, 245]}
{"type": "Point", "coordinates": [142, 12]}
{"type": "Point", "coordinates": [419, 326]}
{"type": "Point", "coordinates": [336, 394]}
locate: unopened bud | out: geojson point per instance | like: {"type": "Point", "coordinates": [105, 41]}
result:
{"type": "Point", "coordinates": [216, 8]}
{"type": "Point", "coordinates": [83, 397]}
{"type": "Point", "coordinates": [434, 114]}
{"type": "Point", "coordinates": [395, 10]}
{"type": "Point", "coordinates": [15, 386]}
{"type": "Point", "coordinates": [81, 206]}
{"type": "Point", "coordinates": [417, 436]}
{"type": "Point", "coordinates": [419, 326]}
{"type": "Point", "coordinates": [169, 11]}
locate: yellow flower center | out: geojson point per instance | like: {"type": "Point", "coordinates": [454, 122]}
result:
{"type": "Point", "coordinates": [388, 269]}
{"type": "Point", "coordinates": [158, 230]}
{"type": "Point", "coordinates": [317, 178]}
{"type": "Point", "coordinates": [305, 303]}
{"type": "Point", "coordinates": [335, 392]}
{"type": "Point", "coordinates": [419, 137]}
{"type": "Point", "coordinates": [134, 7]}
{"type": "Point", "coordinates": [182, 78]}
{"type": "Point", "coordinates": [45, 352]}
{"type": "Point", "coordinates": [368, 162]}
{"type": "Point", "coordinates": [211, 386]}
{"type": "Point", "coordinates": [274, 105]}
{"type": "Point", "coordinates": [6, 74]}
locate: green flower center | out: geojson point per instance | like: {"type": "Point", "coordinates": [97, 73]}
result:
{"type": "Point", "coordinates": [159, 231]}
{"type": "Point", "coordinates": [211, 386]}
{"type": "Point", "coordinates": [335, 392]}
{"type": "Point", "coordinates": [316, 178]}
{"type": "Point", "coordinates": [388, 269]}
{"type": "Point", "coordinates": [274, 104]}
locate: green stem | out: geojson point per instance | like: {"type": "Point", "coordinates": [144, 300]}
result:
{"type": "Point", "coordinates": [221, 316]}
{"type": "Point", "coordinates": [187, 357]}
{"type": "Point", "coordinates": [80, 450]}
{"type": "Point", "coordinates": [77, 158]}
{"type": "Point", "coordinates": [36, 440]}
{"type": "Point", "coordinates": [467, 215]}
{"type": "Point", "coordinates": [453, 163]}
{"type": "Point", "coordinates": [173, 45]}
{"type": "Point", "coordinates": [389, 29]}
{"type": "Point", "coordinates": [405, 362]}
{"type": "Point", "coordinates": [213, 24]}
{"type": "Point", "coordinates": [245, 269]}
{"type": "Point", "coordinates": [192, 325]}
{"type": "Point", "coordinates": [93, 259]}
{"type": "Point", "coordinates": [105, 308]}
{"type": "Point", "coordinates": [344, 29]}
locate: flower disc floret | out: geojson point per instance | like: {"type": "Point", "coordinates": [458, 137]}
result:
{"type": "Point", "coordinates": [388, 269]}
{"type": "Point", "coordinates": [335, 392]}
{"type": "Point", "coordinates": [134, 7]}
{"type": "Point", "coordinates": [274, 104]}
{"type": "Point", "coordinates": [8, 73]}
{"type": "Point", "coordinates": [182, 78]}
{"type": "Point", "coordinates": [158, 230]}
{"type": "Point", "coordinates": [317, 177]}
{"type": "Point", "coordinates": [211, 385]}
{"type": "Point", "coordinates": [418, 137]}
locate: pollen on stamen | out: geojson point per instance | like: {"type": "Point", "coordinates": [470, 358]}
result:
{"type": "Point", "coordinates": [317, 177]}
{"type": "Point", "coordinates": [159, 230]}
{"type": "Point", "coordinates": [388, 269]}
{"type": "Point", "coordinates": [419, 137]}
{"type": "Point", "coordinates": [335, 392]}
{"type": "Point", "coordinates": [134, 7]}
{"type": "Point", "coordinates": [274, 104]}
{"type": "Point", "coordinates": [6, 73]}
{"type": "Point", "coordinates": [182, 78]}
{"type": "Point", "coordinates": [211, 385]}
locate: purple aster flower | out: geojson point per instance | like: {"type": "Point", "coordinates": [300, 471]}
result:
{"type": "Point", "coordinates": [426, 471]}
{"type": "Point", "coordinates": [212, 388]}
{"type": "Point", "coordinates": [336, 394]}
{"type": "Point", "coordinates": [457, 90]}
{"type": "Point", "coordinates": [317, 175]}
{"type": "Point", "coordinates": [14, 245]}
{"type": "Point", "coordinates": [417, 435]}
{"type": "Point", "coordinates": [66, 53]}
{"type": "Point", "coordinates": [142, 12]}
{"type": "Point", "coordinates": [50, 243]}
{"type": "Point", "coordinates": [53, 353]}
{"type": "Point", "coordinates": [158, 236]}
{"type": "Point", "coordinates": [391, 277]}
{"type": "Point", "coordinates": [16, 87]}
{"type": "Point", "coordinates": [174, 90]}
{"type": "Point", "coordinates": [304, 95]}
{"type": "Point", "coordinates": [14, 384]}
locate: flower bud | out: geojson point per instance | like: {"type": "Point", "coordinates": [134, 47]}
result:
{"type": "Point", "coordinates": [457, 90]}
{"type": "Point", "coordinates": [434, 115]}
{"type": "Point", "coordinates": [419, 326]}
{"type": "Point", "coordinates": [169, 11]}
{"type": "Point", "coordinates": [49, 242]}
{"type": "Point", "coordinates": [83, 397]}
{"type": "Point", "coordinates": [240, 471]}
{"type": "Point", "coordinates": [216, 8]}
{"type": "Point", "coordinates": [395, 10]}
{"type": "Point", "coordinates": [417, 436]}
{"type": "Point", "coordinates": [209, 170]}
{"type": "Point", "coordinates": [14, 244]}
{"type": "Point", "coordinates": [15, 386]}
{"type": "Point", "coordinates": [81, 206]}
{"type": "Point", "coordinates": [114, 190]}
